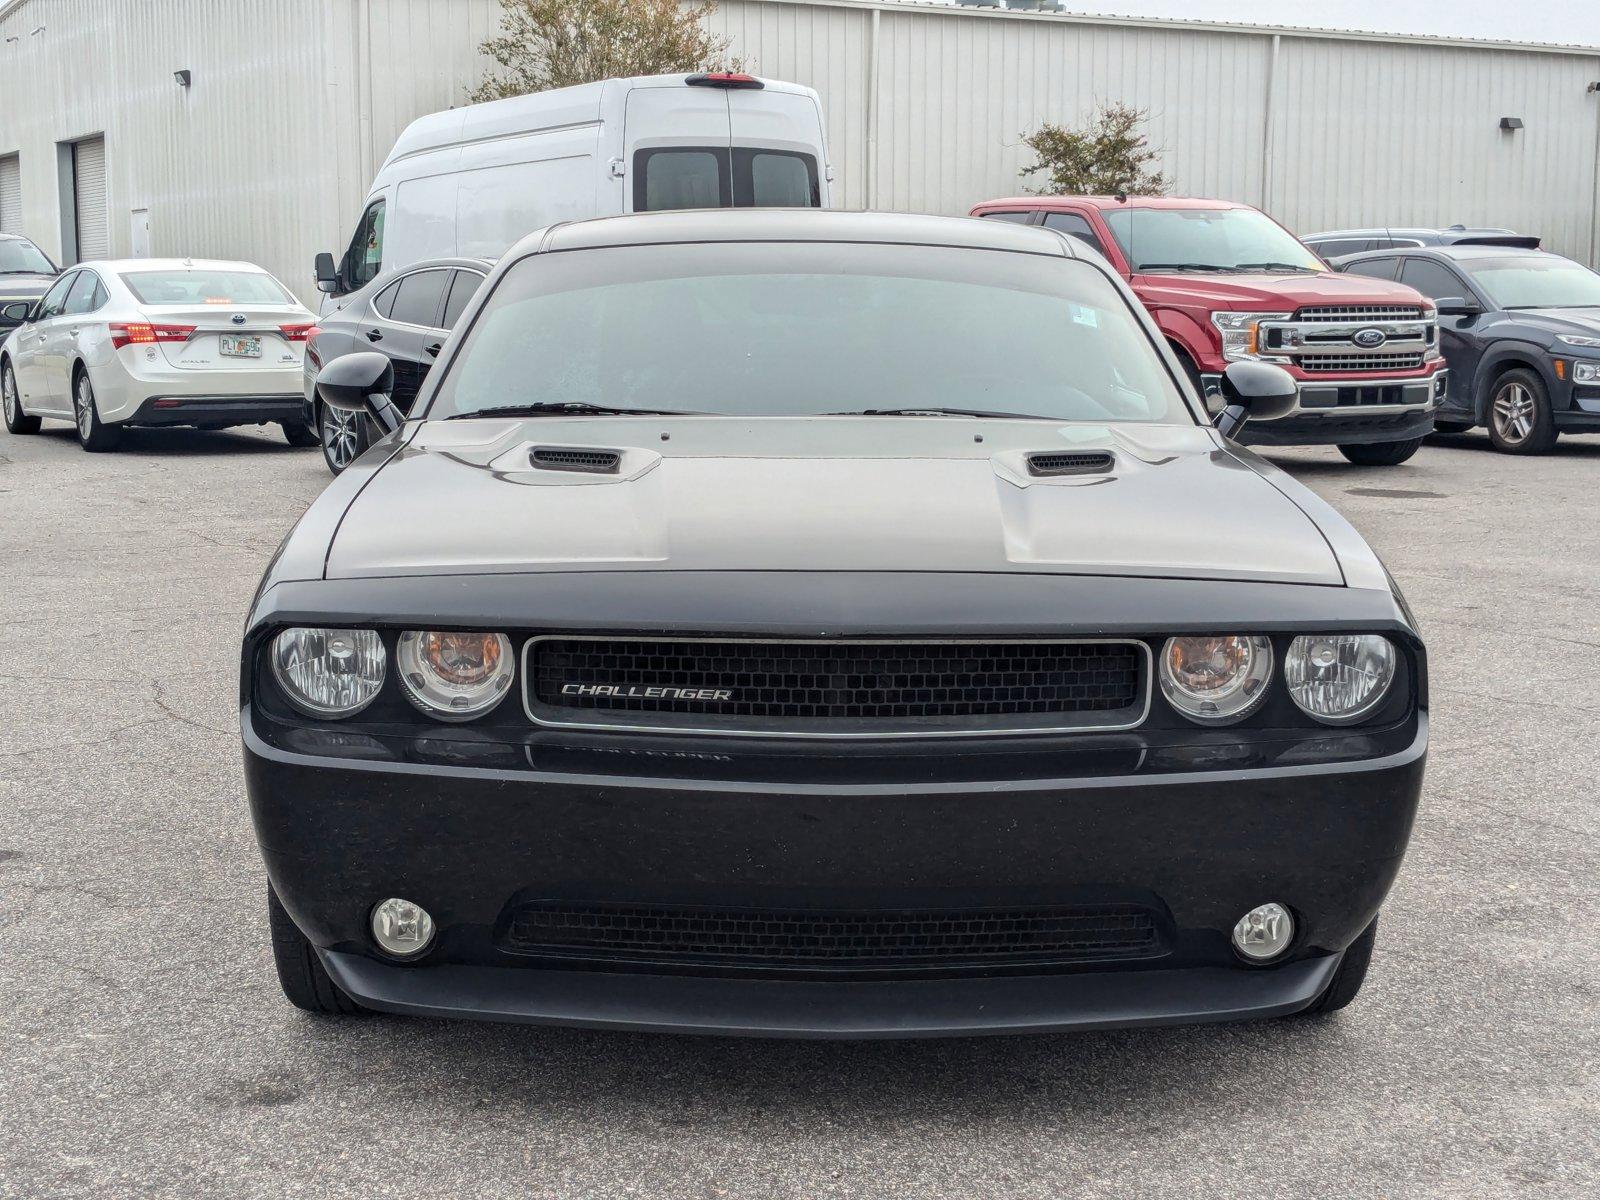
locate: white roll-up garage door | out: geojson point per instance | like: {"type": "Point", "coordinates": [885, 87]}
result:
{"type": "Point", "coordinates": [89, 186]}
{"type": "Point", "coordinates": [10, 194]}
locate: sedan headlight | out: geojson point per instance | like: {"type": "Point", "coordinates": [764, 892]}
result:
{"type": "Point", "coordinates": [329, 672]}
{"type": "Point", "coordinates": [1339, 678]}
{"type": "Point", "coordinates": [1241, 334]}
{"type": "Point", "coordinates": [1573, 339]}
{"type": "Point", "coordinates": [1216, 680]}
{"type": "Point", "coordinates": [454, 676]}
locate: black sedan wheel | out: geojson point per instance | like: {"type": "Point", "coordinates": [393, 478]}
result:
{"type": "Point", "coordinates": [94, 435]}
{"type": "Point", "coordinates": [300, 972]}
{"type": "Point", "coordinates": [17, 421]}
{"type": "Point", "coordinates": [1519, 414]}
{"type": "Point", "coordinates": [1381, 454]}
{"type": "Point", "coordinates": [344, 437]}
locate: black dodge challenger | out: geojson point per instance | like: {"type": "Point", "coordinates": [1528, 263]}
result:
{"type": "Point", "coordinates": [823, 625]}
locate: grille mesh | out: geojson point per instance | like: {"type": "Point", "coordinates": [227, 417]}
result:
{"type": "Point", "coordinates": [794, 683]}
{"type": "Point", "coordinates": [1084, 462]}
{"type": "Point", "coordinates": [1359, 362]}
{"type": "Point", "coordinates": [759, 937]}
{"type": "Point", "coordinates": [1357, 312]}
{"type": "Point", "coordinates": [560, 458]}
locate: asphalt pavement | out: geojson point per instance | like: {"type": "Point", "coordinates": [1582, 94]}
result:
{"type": "Point", "coordinates": [145, 1049]}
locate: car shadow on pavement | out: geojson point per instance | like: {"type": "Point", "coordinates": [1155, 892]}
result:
{"type": "Point", "coordinates": [177, 442]}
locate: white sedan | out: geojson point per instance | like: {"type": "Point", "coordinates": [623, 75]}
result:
{"type": "Point", "coordinates": [158, 342]}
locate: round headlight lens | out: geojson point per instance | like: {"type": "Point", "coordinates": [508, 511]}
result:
{"type": "Point", "coordinates": [1216, 680]}
{"type": "Point", "coordinates": [1339, 678]}
{"type": "Point", "coordinates": [455, 676]}
{"type": "Point", "coordinates": [329, 672]}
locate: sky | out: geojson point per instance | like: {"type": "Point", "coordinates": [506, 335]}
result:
{"type": "Point", "coordinates": [1575, 22]}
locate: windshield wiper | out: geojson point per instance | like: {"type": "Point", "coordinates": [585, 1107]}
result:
{"type": "Point", "coordinates": [1183, 267]}
{"type": "Point", "coordinates": [579, 408]}
{"type": "Point", "coordinates": [937, 412]}
{"type": "Point", "coordinates": [1277, 266]}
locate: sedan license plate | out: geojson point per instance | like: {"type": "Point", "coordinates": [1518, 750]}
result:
{"type": "Point", "coordinates": [241, 347]}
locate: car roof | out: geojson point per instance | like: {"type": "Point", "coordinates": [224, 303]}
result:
{"type": "Point", "coordinates": [169, 264]}
{"type": "Point", "coordinates": [1460, 253]}
{"type": "Point", "coordinates": [794, 225]}
{"type": "Point", "coordinates": [458, 260]}
{"type": "Point", "coordinates": [1111, 202]}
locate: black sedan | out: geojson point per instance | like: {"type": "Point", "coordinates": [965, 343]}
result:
{"type": "Point", "coordinates": [1520, 329]}
{"type": "Point", "coordinates": [739, 638]}
{"type": "Point", "coordinates": [406, 315]}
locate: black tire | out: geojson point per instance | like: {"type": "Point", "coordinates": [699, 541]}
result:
{"type": "Point", "coordinates": [300, 972]}
{"type": "Point", "coordinates": [17, 421]}
{"type": "Point", "coordinates": [1451, 426]}
{"type": "Point", "coordinates": [344, 438]}
{"type": "Point", "coordinates": [94, 435]}
{"type": "Point", "coordinates": [1352, 973]}
{"type": "Point", "coordinates": [1518, 414]}
{"type": "Point", "coordinates": [1381, 454]}
{"type": "Point", "coordinates": [297, 433]}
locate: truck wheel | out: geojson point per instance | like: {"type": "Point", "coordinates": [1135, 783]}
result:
{"type": "Point", "coordinates": [300, 972]}
{"type": "Point", "coordinates": [1352, 973]}
{"type": "Point", "coordinates": [94, 435]}
{"type": "Point", "coordinates": [1519, 414]}
{"type": "Point", "coordinates": [297, 433]}
{"type": "Point", "coordinates": [17, 421]}
{"type": "Point", "coordinates": [1381, 454]}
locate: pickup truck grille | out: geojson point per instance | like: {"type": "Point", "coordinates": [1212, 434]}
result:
{"type": "Point", "coordinates": [855, 687]}
{"type": "Point", "coordinates": [1360, 362]}
{"type": "Point", "coordinates": [1359, 312]}
{"type": "Point", "coordinates": [775, 938]}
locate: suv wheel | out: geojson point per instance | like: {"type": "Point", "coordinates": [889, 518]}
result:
{"type": "Point", "coordinates": [301, 975]}
{"type": "Point", "coordinates": [1519, 414]}
{"type": "Point", "coordinates": [94, 435]}
{"type": "Point", "coordinates": [344, 437]}
{"type": "Point", "coordinates": [17, 421]}
{"type": "Point", "coordinates": [1381, 454]}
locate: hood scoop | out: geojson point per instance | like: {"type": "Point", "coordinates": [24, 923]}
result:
{"type": "Point", "coordinates": [1051, 463]}
{"type": "Point", "coordinates": [579, 459]}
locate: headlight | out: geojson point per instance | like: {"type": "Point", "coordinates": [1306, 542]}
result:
{"type": "Point", "coordinates": [1339, 678]}
{"type": "Point", "coordinates": [329, 672]}
{"type": "Point", "coordinates": [1573, 339]}
{"type": "Point", "coordinates": [1241, 334]}
{"type": "Point", "coordinates": [1216, 680]}
{"type": "Point", "coordinates": [1585, 372]}
{"type": "Point", "coordinates": [454, 676]}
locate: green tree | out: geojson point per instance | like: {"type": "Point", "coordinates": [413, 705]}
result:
{"type": "Point", "coordinates": [1108, 155]}
{"type": "Point", "coordinates": [558, 43]}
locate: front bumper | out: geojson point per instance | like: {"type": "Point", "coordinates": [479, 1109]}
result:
{"type": "Point", "coordinates": [342, 826]}
{"type": "Point", "coordinates": [1347, 411]}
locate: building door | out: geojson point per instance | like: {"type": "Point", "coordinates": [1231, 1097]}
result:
{"type": "Point", "coordinates": [139, 232]}
{"type": "Point", "coordinates": [10, 194]}
{"type": "Point", "coordinates": [89, 194]}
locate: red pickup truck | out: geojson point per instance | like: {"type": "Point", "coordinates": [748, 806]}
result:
{"type": "Point", "coordinates": [1226, 282]}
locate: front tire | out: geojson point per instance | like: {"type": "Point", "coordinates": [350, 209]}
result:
{"type": "Point", "coordinates": [1519, 414]}
{"type": "Point", "coordinates": [344, 437]}
{"type": "Point", "coordinates": [301, 975]}
{"type": "Point", "coordinates": [1352, 973]}
{"type": "Point", "coordinates": [297, 433]}
{"type": "Point", "coordinates": [1381, 454]}
{"type": "Point", "coordinates": [17, 421]}
{"type": "Point", "coordinates": [94, 435]}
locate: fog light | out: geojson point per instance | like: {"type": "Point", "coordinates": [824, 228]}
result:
{"type": "Point", "coordinates": [1264, 932]}
{"type": "Point", "coordinates": [402, 928]}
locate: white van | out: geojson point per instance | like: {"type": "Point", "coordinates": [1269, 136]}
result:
{"type": "Point", "coordinates": [471, 181]}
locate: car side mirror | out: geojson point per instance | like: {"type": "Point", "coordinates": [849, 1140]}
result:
{"type": "Point", "coordinates": [1457, 306]}
{"type": "Point", "coordinates": [327, 272]}
{"type": "Point", "coordinates": [1255, 389]}
{"type": "Point", "coordinates": [17, 312]}
{"type": "Point", "coordinates": [361, 383]}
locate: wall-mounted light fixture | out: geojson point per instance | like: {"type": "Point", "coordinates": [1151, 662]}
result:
{"type": "Point", "coordinates": [1511, 124]}
{"type": "Point", "coordinates": [183, 77]}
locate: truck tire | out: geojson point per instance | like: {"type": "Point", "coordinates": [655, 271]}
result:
{"type": "Point", "coordinates": [1381, 454]}
{"type": "Point", "coordinates": [302, 976]}
{"type": "Point", "coordinates": [1519, 414]}
{"type": "Point", "coordinates": [1352, 973]}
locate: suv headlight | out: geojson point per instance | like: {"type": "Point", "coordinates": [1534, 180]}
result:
{"type": "Point", "coordinates": [329, 672]}
{"type": "Point", "coordinates": [1216, 680]}
{"type": "Point", "coordinates": [1241, 334]}
{"type": "Point", "coordinates": [454, 676]}
{"type": "Point", "coordinates": [1339, 678]}
{"type": "Point", "coordinates": [1573, 339]}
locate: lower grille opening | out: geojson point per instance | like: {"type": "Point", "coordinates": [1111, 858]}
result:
{"type": "Point", "coordinates": [762, 938]}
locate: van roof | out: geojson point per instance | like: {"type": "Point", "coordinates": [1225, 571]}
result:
{"type": "Point", "coordinates": [538, 110]}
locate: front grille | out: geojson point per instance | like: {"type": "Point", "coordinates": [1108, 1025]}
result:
{"type": "Point", "coordinates": [1359, 362]}
{"type": "Point", "coordinates": [1080, 462]}
{"type": "Point", "coordinates": [564, 458]}
{"type": "Point", "coordinates": [1359, 312]}
{"type": "Point", "coordinates": [834, 688]}
{"type": "Point", "coordinates": [858, 939]}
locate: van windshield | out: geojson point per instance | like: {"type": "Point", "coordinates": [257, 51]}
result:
{"type": "Point", "coordinates": [675, 177]}
{"type": "Point", "coordinates": [794, 329]}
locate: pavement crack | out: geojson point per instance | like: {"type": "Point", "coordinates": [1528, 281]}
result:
{"type": "Point", "coordinates": [101, 738]}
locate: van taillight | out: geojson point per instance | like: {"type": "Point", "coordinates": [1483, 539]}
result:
{"type": "Point", "coordinates": [140, 333]}
{"type": "Point", "coordinates": [724, 79]}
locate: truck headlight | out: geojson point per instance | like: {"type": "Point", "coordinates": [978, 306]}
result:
{"type": "Point", "coordinates": [1216, 680]}
{"type": "Point", "coordinates": [1339, 678]}
{"type": "Point", "coordinates": [329, 672]}
{"type": "Point", "coordinates": [1241, 334]}
{"type": "Point", "coordinates": [454, 676]}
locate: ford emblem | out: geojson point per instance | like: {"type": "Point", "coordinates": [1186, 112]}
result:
{"type": "Point", "coordinates": [1370, 339]}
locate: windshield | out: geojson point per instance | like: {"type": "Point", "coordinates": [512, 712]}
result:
{"type": "Point", "coordinates": [786, 329]}
{"type": "Point", "coordinates": [18, 255]}
{"type": "Point", "coordinates": [202, 286]}
{"type": "Point", "coordinates": [1200, 239]}
{"type": "Point", "coordinates": [1537, 282]}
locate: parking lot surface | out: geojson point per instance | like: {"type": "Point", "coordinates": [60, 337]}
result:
{"type": "Point", "coordinates": [145, 1049]}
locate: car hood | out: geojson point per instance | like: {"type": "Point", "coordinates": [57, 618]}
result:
{"type": "Point", "coordinates": [1582, 321]}
{"type": "Point", "coordinates": [1283, 292]}
{"type": "Point", "coordinates": [825, 494]}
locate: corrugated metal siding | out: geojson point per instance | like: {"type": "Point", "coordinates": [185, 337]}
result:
{"type": "Point", "coordinates": [10, 194]}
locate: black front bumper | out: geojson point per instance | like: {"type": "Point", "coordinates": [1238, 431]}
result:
{"type": "Point", "coordinates": [344, 826]}
{"type": "Point", "coordinates": [1339, 427]}
{"type": "Point", "coordinates": [222, 411]}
